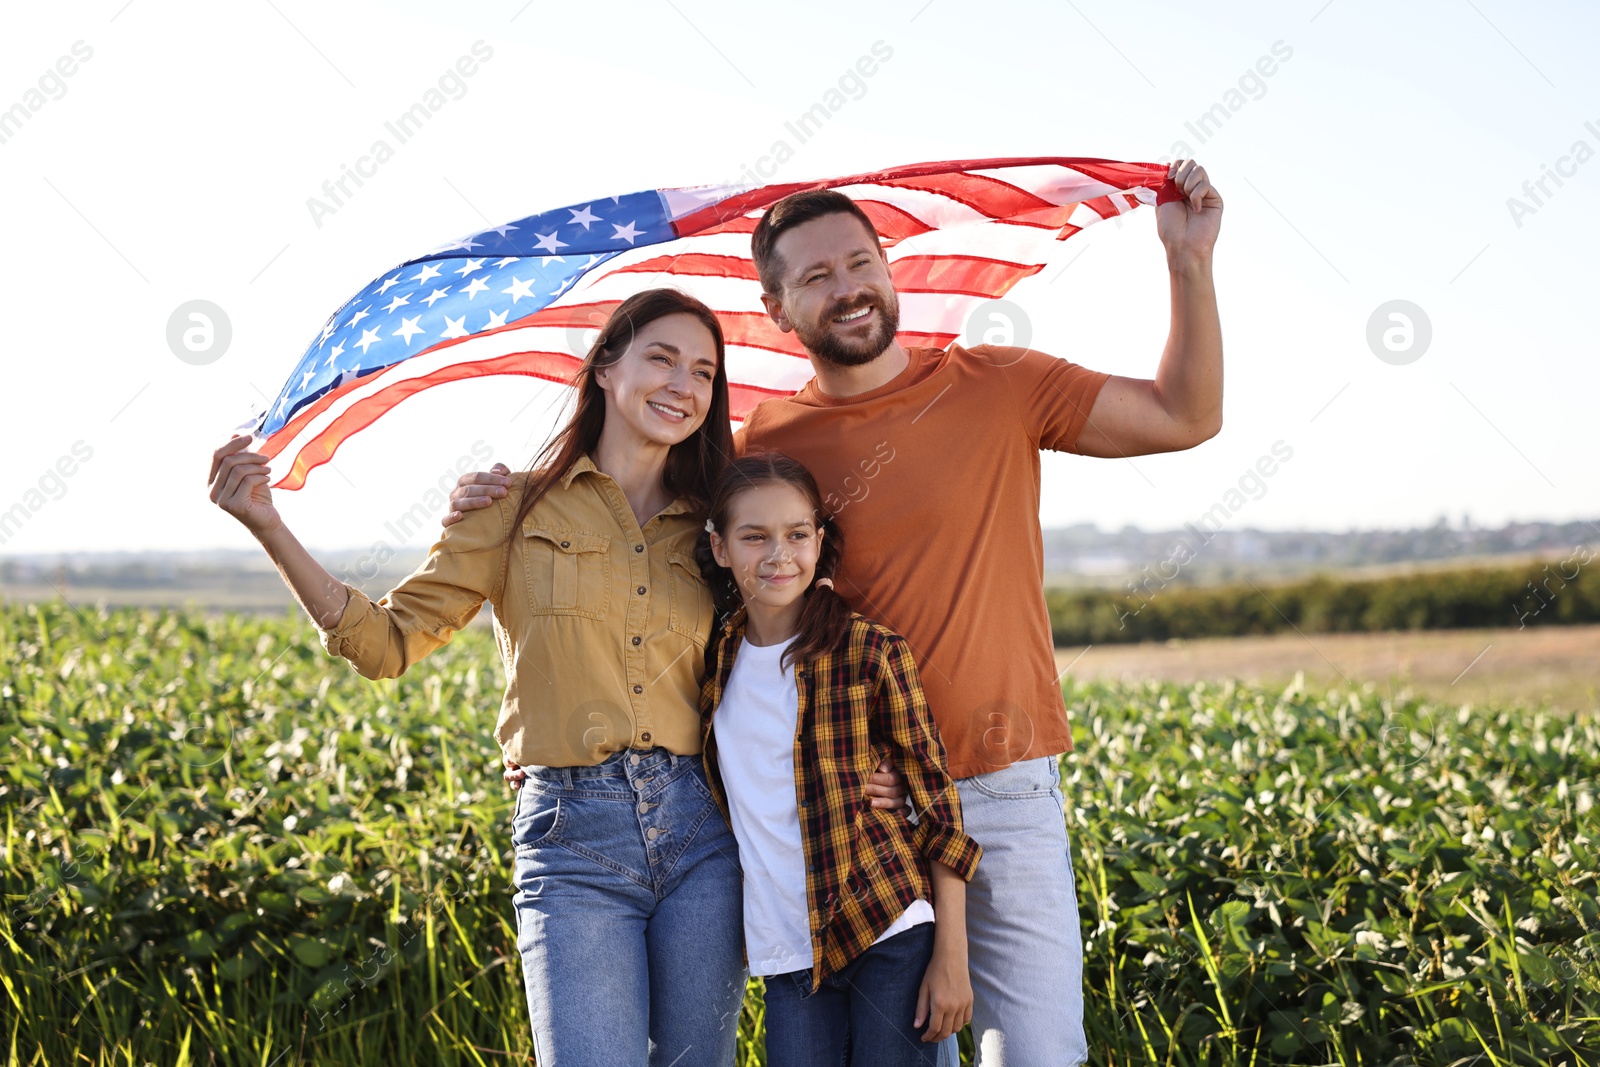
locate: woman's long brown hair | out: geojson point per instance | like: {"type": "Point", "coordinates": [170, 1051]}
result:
{"type": "Point", "coordinates": [693, 464]}
{"type": "Point", "coordinates": [824, 617]}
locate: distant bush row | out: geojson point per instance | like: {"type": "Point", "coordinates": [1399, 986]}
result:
{"type": "Point", "coordinates": [1155, 609]}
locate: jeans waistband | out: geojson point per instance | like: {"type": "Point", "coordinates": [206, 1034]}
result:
{"type": "Point", "coordinates": [622, 765]}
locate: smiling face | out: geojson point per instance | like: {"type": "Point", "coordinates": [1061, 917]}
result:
{"type": "Point", "coordinates": [769, 543]}
{"type": "Point", "coordinates": [660, 388]}
{"type": "Point", "coordinates": [837, 296]}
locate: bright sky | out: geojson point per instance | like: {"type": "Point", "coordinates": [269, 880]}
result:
{"type": "Point", "coordinates": [1373, 164]}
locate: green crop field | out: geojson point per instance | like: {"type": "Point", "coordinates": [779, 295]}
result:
{"type": "Point", "coordinates": [222, 847]}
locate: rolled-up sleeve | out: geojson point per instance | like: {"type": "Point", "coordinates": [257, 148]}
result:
{"type": "Point", "coordinates": [464, 568]}
{"type": "Point", "coordinates": [919, 755]}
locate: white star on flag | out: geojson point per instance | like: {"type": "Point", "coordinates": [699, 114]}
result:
{"type": "Point", "coordinates": [408, 328]}
{"type": "Point", "coordinates": [520, 289]}
{"type": "Point", "coordinates": [549, 243]}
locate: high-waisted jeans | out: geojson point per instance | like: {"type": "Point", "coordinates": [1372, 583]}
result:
{"type": "Point", "coordinates": [628, 901]}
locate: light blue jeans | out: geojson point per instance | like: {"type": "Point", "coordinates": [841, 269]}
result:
{"type": "Point", "coordinates": [1024, 945]}
{"type": "Point", "coordinates": [629, 914]}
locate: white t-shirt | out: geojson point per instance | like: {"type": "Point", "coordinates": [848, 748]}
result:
{"type": "Point", "coordinates": [755, 728]}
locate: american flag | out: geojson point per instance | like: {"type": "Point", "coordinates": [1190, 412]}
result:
{"type": "Point", "coordinates": [957, 234]}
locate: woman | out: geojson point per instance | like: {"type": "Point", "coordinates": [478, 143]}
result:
{"type": "Point", "coordinates": [627, 881]}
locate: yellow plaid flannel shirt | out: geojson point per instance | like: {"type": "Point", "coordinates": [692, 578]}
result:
{"type": "Point", "coordinates": [859, 703]}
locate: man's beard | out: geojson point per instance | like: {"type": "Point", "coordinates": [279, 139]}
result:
{"type": "Point", "coordinates": [829, 347]}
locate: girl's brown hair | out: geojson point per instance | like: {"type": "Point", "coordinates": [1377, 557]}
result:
{"type": "Point", "coordinates": [692, 464]}
{"type": "Point", "coordinates": [824, 617]}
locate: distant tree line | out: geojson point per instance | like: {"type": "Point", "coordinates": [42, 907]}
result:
{"type": "Point", "coordinates": [1155, 609]}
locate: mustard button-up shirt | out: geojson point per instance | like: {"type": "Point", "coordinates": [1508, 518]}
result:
{"type": "Point", "coordinates": [602, 624]}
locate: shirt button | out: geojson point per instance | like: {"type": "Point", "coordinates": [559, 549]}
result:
{"type": "Point", "coordinates": [644, 736]}
{"type": "Point", "coordinates": [638, 548]}
{"type": "Point", "coordinates": [636, 639]}
{"type": "Point", "coordinates": [566, 544]}
{"type": "Point", "coordinates": [639, 689]}
{"type": "Point", "coordinates": [641, 590]}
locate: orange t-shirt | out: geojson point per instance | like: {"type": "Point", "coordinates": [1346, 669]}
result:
{"type": "Point", "coordinates": [934, 478]}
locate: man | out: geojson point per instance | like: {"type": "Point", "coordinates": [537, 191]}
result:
{"type": "Point", "coordinates": [930, 460]}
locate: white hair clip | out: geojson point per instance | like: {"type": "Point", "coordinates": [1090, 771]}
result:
{"type": "Point", "coordinates": [710, 528]}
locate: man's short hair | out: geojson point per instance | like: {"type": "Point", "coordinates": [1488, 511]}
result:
{"type": "Point", "coordinates": [790, 212]}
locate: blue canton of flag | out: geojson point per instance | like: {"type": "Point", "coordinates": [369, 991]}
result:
{"type": "Point", "coordinates": [478, 283]}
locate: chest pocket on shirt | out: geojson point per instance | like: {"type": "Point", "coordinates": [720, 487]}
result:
{"type": "Point", "coordinates": [840, 728]}
{"type": "Point", "coordinates": [691, 600]}
{"type": "Point", "coordinates": [569, 573]}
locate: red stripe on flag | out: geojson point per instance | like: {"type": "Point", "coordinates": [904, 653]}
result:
{"type": "Point", "coordinates": [1102, 206]}
{"type": "Point", "coordinates": [892, 223]}
{"type": "Point", "coordinates": [738, 225]}
{"type": "Point", "coordinates": [732, 226]}
{"type": "Point", "coordinates": [741, 397]}
{"type": "Point", "coordinates": [753, 329]}
{"type": "Point", "coordinates": [991, 196]}
{"type": "Point", "coordinates": [551, 366]}
{"type": "Point", "coordinates": [967, 275]}
{"type": "Point", "coordinates": [696, 263]}
{"type": "Point", "coordinates": [588, 316]}
{"type": "Point", "coordinates": [1110, 171]}
{"type": "Point", "coordinates": [1049, 218]}
{"type": "Point", "coordinates": [750, 328]}
{"type": "Point", "coordinates": [582, 316]}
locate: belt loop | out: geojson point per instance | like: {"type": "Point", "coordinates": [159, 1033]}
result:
{"type": "Point", "coordinates": [566, 777]}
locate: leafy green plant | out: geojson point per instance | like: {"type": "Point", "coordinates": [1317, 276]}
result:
{"type": "Point", "coordinates": [220, 846]}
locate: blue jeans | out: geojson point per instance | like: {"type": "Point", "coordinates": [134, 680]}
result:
{"type": "Point", "coordinates": [1024, 944]}
{"type": "Point", "coordinates": [860, 1015]}
{"type": "Point", "coordinates": [629, 914]}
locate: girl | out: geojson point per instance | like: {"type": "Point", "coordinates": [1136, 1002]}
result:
{"type": "Point", "coordinates": [805, 699]}
{"type": "Point", "coordinates": [627, 880]}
